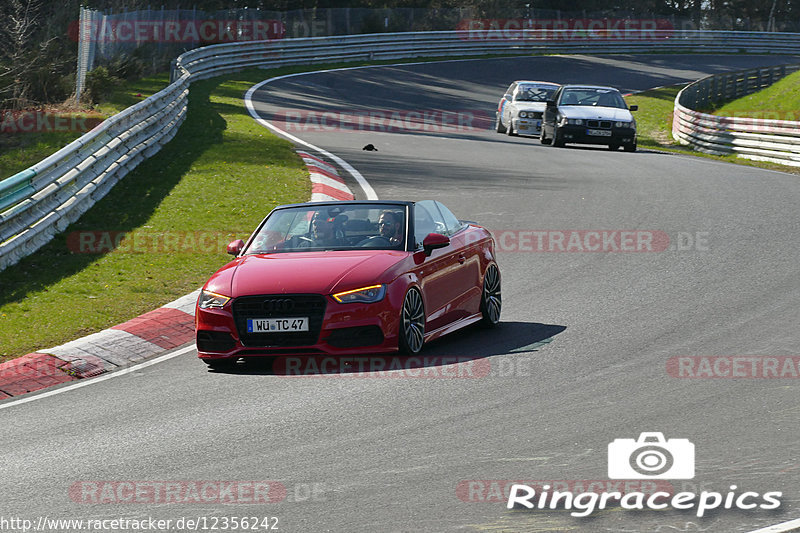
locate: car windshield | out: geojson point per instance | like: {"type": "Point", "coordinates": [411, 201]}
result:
{"type": "Point", "coordinates": [331, 227]}
{"type": "Point", "coordinates": [597, 97]}
{"type": "Point", "coordinates": [534, 93]}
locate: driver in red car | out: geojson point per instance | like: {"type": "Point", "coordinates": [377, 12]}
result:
{"type": "Point", "coordinates": [323, 232]}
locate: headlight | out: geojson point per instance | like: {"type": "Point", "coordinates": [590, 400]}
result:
{"type": "Point", "coordinates": [211, 300]}
{"type": "Point", "coordinates": [573, 121]}
{"type": "Point", "coordinates": [523, 114]}
{"type": "Point", "coordinates": [620, 124]}
{"type": "Point", "coordinates": [366, 295]}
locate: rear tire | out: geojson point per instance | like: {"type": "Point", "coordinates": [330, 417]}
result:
{"type": "Point", "coordinates": [499, 125]}
{"type": "Point", "coordinates": [412, 324]}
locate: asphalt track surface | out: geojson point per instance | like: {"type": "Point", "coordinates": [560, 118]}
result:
{"type": "Point", "coordinates": [580, 358]}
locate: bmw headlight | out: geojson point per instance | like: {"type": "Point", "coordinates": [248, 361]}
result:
{"type": "Point", "coordinates": [523, 114]}
{"type": "Point", "coordinates": [621, 124]}
{"type": "Point", "coordinates": [211, 300]}
{"type": "Point", "coordinates": [365, 295]}
{"type": "Point", "coordinates": [576, 121]}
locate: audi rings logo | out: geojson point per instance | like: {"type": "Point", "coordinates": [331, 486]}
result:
{"type": "Point", "coordinates": [284, 305]}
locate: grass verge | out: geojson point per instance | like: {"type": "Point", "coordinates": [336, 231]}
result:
{"type": "Point", "coordinates": [779, 101]}
{"type": "Point", "coordinates": [24, 149]}
{"type": "Point", "coordinates": [654, 126]}
{"type": "Point", "coordinates": [220, 175]}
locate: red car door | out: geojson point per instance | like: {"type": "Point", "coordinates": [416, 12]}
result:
{"type": "Point", "coordinates": [467, 277]}
{"type": "Point", "coordinates": [450, 276]}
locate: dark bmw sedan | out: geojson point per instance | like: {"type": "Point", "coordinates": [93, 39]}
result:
{"type": "Point", "coordinates": [589, 114]}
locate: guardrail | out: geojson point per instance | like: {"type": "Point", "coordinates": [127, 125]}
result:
{"type": "Point", "coordinates": [776, 141]}
{"type": "Point", "coordinates": [42, 200]}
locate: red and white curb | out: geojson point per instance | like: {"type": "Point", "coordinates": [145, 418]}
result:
{"type": "Point", "coordinates": [326, 184]}
{"type": "Point", "coordinates": [120, 346]}
{"type": "Point", "coordinates": [165, 328]}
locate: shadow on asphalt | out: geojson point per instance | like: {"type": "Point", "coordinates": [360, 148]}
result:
{"type": "Point", "coordinates": [465, 352]}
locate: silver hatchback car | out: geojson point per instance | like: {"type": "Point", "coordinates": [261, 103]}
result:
{"type": "Point", "coordinates": [520, 110]}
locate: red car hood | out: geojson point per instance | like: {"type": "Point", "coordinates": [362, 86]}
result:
{"type": "Point", "coordinates": [305, 272]}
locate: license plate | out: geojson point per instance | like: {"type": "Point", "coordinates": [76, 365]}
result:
{"type": "Point", "coordinates": [276, 325]}
{"type": "Point", "coordinates": [599, 133]}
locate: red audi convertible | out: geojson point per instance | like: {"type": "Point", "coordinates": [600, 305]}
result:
{"type": "Point", "coordinates": [360, 277]}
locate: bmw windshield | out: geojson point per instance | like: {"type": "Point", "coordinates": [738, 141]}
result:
{"type": "Point", "coordinates": [593, 96]}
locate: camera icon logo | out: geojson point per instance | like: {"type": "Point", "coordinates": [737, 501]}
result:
{"type": "Point", "coordinates": [651, 457]}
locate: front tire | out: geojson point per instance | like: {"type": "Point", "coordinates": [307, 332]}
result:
{"type": "Point", "coordinates": [543, 138]}
{"type": "Point", "coordinates": [510, 130]}
{"type": "Point", "coordinates": [630, 147]}
{"type": "Point", "coordinates": [558, 140]}
{"type": "Point", "coordinates": [412, 324]}
{"type": "Point", "coordinates": [491, 299]}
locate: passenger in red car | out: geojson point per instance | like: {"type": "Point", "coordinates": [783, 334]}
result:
{"type": "Point", "coordinates": [391, 228]}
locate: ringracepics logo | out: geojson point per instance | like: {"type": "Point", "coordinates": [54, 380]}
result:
{"type": "Point", "coordinates": [651, 456]}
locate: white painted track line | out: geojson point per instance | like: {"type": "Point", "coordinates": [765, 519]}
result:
{"type": "Point", "coordinates": [793, 525]}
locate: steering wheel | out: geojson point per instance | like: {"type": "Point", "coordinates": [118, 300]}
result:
{"type": "Point", "coordinates": [376, 241]}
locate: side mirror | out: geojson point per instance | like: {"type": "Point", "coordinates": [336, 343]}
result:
{"type": "Point", "coordinates": [235, 247]}
{"type": "Point", "coordinates": [434, 241]}
{"type": "Point", "coordinates": [633, 108]}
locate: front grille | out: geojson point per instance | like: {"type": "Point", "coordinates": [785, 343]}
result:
{"type": "Point", "coordinates": [606, 124]}
{"type": "Point", "coordinates": [279, 306]}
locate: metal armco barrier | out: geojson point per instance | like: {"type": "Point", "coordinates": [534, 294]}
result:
{"type": "Point", "coordinates": [776, 141]}
{"type": "Point", "coordinates": [44, 199]}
